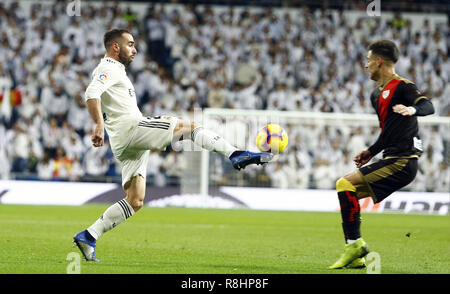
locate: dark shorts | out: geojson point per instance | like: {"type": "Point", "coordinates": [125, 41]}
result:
{"type": "Point", "coordinates": [386, 176]}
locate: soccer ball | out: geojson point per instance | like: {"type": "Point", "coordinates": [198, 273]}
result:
{"type": "Point", "coordinates": [272, 138]}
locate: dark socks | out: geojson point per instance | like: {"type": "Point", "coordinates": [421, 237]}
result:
{"type": "Point", "coordinates": [350, 212]}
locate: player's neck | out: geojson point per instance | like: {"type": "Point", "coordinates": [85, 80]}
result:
{"type": "Point", "coordinates": [112, 57]}
{"type": "Point", "coordinates": [386, 75]}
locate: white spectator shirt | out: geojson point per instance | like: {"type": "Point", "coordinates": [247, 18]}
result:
{"type": "Point", "coordinates": [121, 114]}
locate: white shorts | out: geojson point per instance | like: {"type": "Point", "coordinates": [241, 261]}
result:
{"type": "Point", "coordinates": [151, 133]}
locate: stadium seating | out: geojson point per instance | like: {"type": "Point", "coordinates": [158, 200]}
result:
{"type": "Point", "coordinates": [196, 57]}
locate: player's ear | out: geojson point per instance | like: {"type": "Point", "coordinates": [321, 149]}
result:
{"type": "Point", "coordinates": [380, 61]}
{"type": "Point", "coordinates": [115, 46]}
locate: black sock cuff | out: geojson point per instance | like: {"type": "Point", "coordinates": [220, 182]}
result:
{"type": "Point", "coordinates": [125, 208]}
{"type": "Point", "coordinates": [89, 237]}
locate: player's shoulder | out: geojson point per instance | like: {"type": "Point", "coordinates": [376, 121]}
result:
{"type": "Point", "coordinates": [104, 71]}
{"type": "Point", "coordinates": [405, 81]}
{"type": "Point", "coordinates": [106, 64]}
{"type": "Point", "coordinates": [375, 93]}
{"type": "Point", "coordinates": [408, 88]}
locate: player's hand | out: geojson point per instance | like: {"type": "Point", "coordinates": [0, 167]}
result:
{"type": "Point", "coordinates": [404, 110]}
{"type": "Point", "coordinates": [98, 135]}
{"type": "Point", "coordinates": [362, 158]}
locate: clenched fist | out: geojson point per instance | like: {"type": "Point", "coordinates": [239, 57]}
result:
{"type": "Point", "coordinates": [362, 158]}
{"type": "Point", "coordinates": [98, 135]}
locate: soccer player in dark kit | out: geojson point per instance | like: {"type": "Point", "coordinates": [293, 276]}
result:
{"type": "Point", "coordinates": [397, 102]}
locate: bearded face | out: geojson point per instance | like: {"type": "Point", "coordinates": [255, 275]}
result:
{"type": "Point", "coordinates": [127, 50]}
{"type": "Point", "coordinates": [373, 67]}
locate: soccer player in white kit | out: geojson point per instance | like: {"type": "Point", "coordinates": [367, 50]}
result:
{"type": "Point", "coordinates": [111, 102]}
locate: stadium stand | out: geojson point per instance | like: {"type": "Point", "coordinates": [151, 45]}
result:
{"type": "Point", "coordinates": [195, 57]}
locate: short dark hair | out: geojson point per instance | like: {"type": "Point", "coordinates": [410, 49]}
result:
{"type": "Point", "coordinates": [385, 49]}
{"type": "Point", "coordinates": [112, 36]}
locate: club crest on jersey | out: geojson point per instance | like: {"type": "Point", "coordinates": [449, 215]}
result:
{"type": "Point", "coordinates": [103, 77]}
{"type": "Point", "coordinates": [385, 94]}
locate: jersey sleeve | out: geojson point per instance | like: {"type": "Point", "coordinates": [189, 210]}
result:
{"type": "Point", "coordinates": [411, 95]}
{"type": "Point", "coordinates": [102, 79]}
{"type": "Point", "coordinates": [376, 147]}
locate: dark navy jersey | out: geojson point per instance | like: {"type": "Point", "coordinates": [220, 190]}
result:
{"type": "Point", "coordinates": [399, 134]}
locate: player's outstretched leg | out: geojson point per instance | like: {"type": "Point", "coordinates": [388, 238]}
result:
{"type": "Point", "coordinates": [211, 141]}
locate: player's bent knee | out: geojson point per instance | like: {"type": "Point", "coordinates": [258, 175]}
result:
{"type": "Point", "coordinates": [344, 185]}
{"type": "Point", "coordinates": [137, 204]}
{"type": "Point", "coordinates": [135, 192]}
{"type": "Point", "coordinates": [184, 128]}
{"type": "Point", "coordinates": [135, 198]}
{"type": "Point", "coordinates": [191, 126]}
{"type": "Point", "coordinates": [136, 201]}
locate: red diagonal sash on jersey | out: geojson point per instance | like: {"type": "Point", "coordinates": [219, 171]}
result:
{"type": "Point", "coordinates": [383, 101]}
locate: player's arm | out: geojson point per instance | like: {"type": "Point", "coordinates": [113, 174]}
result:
{"type": "Point", "coordinates": [99, 84]}
{"type": "Point", "coordinates": [415, 103]}
{"type": "Point", "coordinates": [95, 111]}
{"type": "Point", "coordinates": [366, 155]}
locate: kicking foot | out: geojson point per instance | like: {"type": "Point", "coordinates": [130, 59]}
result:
{"type": "Point", "coordinates": [240, 159]}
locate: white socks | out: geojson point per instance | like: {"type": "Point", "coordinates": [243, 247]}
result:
{"type": "Point", "coordinates": [121, 210]}
{"type": "Point", "coordinates": [352, 241]}
{"type": "Point", "coordinates": [114, 215]}
{"type": "Point", "coordinates": [212, 142]}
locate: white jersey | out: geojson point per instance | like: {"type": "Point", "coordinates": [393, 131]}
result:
{"type": "Point", "coordinates": [121, 114]}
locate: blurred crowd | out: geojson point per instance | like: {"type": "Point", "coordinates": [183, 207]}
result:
{"type": "Point", "coordinates": [195, 57]}
{"type": "Point", "coordinates": [319, 155]}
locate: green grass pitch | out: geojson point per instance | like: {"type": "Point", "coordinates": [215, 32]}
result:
{"type": "Point", "coordinates": [38, 239]}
